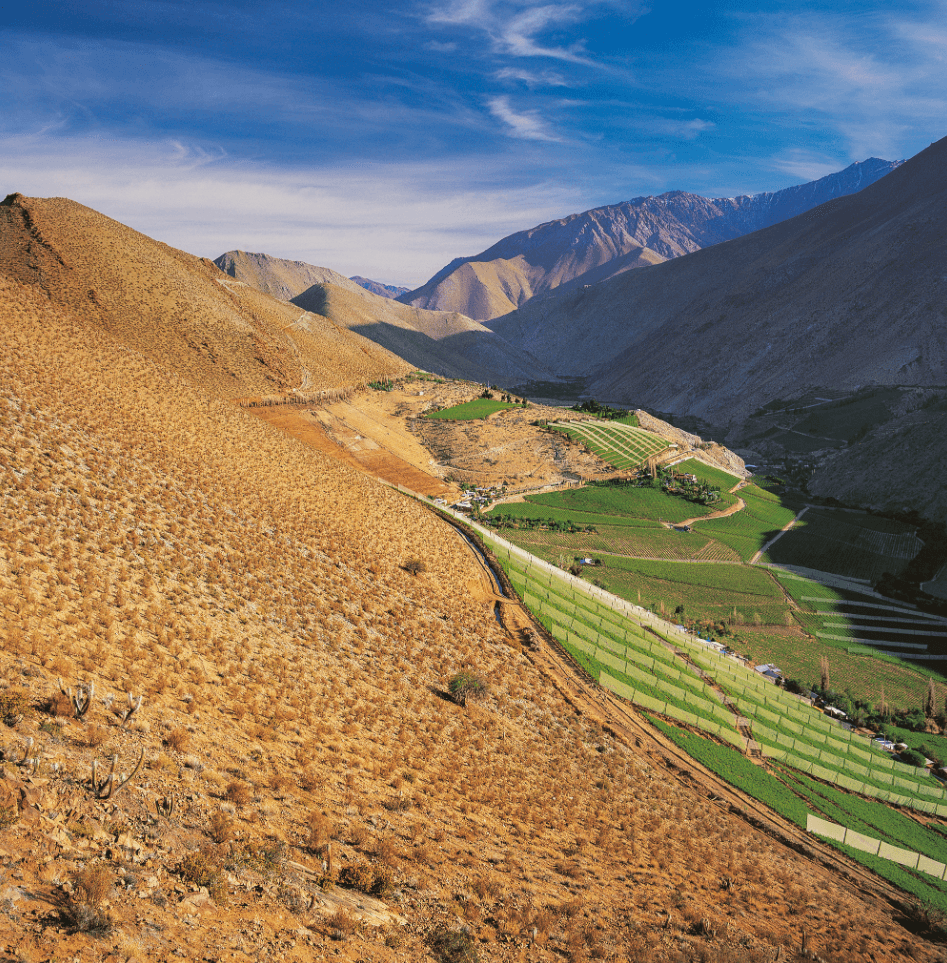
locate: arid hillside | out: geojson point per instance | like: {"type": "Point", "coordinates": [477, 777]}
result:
{"type": "Point", "coordinates": [586, 248]}
{"type": "Point", "coordinates": [444, 342]}
{"type": "Point", "coordinates": [290, 626]}
{"type": "Point", "coordinates": [175, 307]}
{"type": "Point", "coordinates": [279, 277]}
{"type": "Point", "coordinates": [847, 294]}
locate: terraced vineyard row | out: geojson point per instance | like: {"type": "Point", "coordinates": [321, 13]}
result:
{"type": "Point", "coordinates": [623, 446]}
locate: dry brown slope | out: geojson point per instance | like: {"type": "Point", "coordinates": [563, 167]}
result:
{"type": "Point", "coordinates": [158, 540]}
{"type": "Point", "coordinates": [173, 306]}
{"type": "Point", "coordinates": [444, 342]}
{"type": "Point", "coordinates": [278, 277]}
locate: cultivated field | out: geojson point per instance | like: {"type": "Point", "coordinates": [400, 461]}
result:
{"type": "Point", "coordinates": [850, 544]}
{"type": "Point", "coordinates": [621, 445]}
{"type": "Point", "coordinates": [470, 410]}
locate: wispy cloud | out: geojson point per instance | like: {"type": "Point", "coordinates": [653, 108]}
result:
{"type": "Point", "coordinates": [525, 124]}
{"type": "Point", "coordinates": [330, 216]}
{"type": "Point", "coordinates": [533, 78]}
{"type": "Point", "coordinates": [517, 28]}
{"type": "Point", "coordinates": [871, 79]}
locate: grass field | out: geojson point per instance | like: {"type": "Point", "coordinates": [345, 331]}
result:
{"type": "Point", "coordinates": [628, 501]}
{"type": "Point", "coordinates": [749, 530]}
{"type": "Point", "coordinates": [470, 410]}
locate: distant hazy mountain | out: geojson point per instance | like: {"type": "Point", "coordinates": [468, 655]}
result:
{"type": "Point", "coordinates": [590, 247]}
{"type": "Point", "coordinates": [276, 276]}
{"type": "Point", "coordinates": [848, 295]}
{"type": "Point", "coordinates": [376, 287]}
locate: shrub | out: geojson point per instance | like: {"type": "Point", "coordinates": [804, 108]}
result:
{"type": "Point", "coordinates": [357, 876]}
{"type": "Point", "coordinates": [455, 946]}
{"type": "Point", "coordinates": [414, 566]}
{"type": "Point", "coordinates": [467, 685]}
{"type": "Point", "coordinates": [374, 881]}
{"type": "Point", "coordinates": [914, 758]}
{"type": "Point", "coordinates": [341, 925]}
{"type": "Point", "coordinates": [60, 705]}
{"type": "Point", "coordinates": [222, 827]}
{"type": "Point", "coordinates": [238, 792]}
{"type": "Point", "coordinates": [321, 831]}
{"type": "Point", "coordinates": [91, 887]}
{"type": "Point", "coordinates": [13, 706]}
{"type": "Point", "coordinates": [204, 867]}
{"type": "Point", "coordinates": [178, 739]}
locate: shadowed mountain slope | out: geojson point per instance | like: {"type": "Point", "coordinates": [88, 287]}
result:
{"type": "Point", "coordinates": [176, 307]}
{"type": "Point", "coordinates": [601, 243]}
{"type": "Point", "coordinates": [848, 293]}
{"type": "Point", "coordinates": [445, 342]}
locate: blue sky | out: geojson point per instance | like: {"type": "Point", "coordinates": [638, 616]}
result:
{"type": "Point", "coordinates": [386, 138]}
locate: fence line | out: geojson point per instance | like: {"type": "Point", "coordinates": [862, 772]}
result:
{"type": "Point", "coordinates": [876, 847]}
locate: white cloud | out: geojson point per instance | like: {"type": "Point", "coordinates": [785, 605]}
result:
{"type": "Point", "coordinates": [515, 27]}
{"type": "Point", "coordinates": [873, 80]}
{"type": "Point", "coordinates": [525, 124]}
{"type": "Point", "coordinates": [544, 78]}
{"type": "Point", "coordinates": [397, 223]}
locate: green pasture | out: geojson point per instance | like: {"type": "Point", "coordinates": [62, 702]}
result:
{"type": "Point", "coordinates": [470, 410]}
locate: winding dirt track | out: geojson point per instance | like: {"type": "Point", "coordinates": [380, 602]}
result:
{"type": "Point", "coordinates": [621, 720]}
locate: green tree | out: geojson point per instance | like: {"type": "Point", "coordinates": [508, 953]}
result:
{"type": "Point", "coordinates": [467, 685]}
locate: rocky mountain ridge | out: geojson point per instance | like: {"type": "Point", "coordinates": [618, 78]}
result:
{"type": "Point", "coordinates": [597, 244]}
{"type": "Point", "coordinates": [379, 288]}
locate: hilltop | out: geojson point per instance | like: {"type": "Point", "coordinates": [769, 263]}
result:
{"type": "Point", "coordinates": [590, 247]}
{"type": "Point", "coordinates": [177, 308]}
{"type": "Point", "coordinates": [263, 600]}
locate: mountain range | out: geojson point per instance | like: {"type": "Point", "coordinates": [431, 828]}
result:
{"type": "Point", "coordinates": [846, 297]}
{"type": "Point", "coordinates": [598, 244]}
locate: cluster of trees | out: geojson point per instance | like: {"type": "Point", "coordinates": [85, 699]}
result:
{"type": "Point", "coordinates": [681, 486]}
{"type": "Point", "coordinates": [504, 396]}
{"type": "Point", "coordinates": [884, 719]}
{"type": "Point", "coordinates": [531, 524]}
{"type": "Point", "coordinates": [605, 412]}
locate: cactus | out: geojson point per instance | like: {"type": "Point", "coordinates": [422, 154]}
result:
{"type": "Point", "coordinates": [165, 806]}
{"type": "Point", "coordinates": [81, 699]}
{"type": "Point", "coordinates": [109, 785]}
{"type": "Point", "coordinates": [133, 706]}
